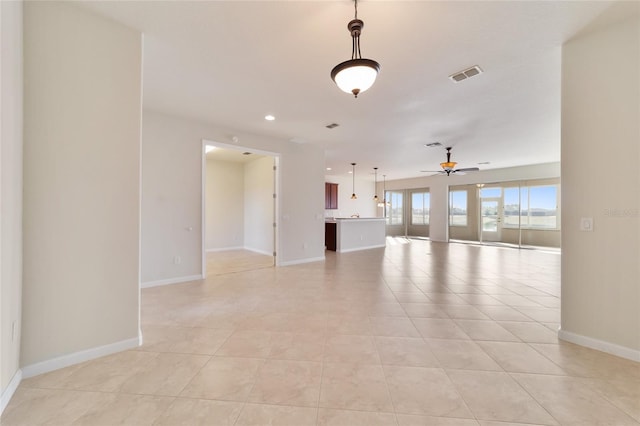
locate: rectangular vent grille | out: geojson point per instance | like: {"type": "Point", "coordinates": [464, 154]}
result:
{"type": "Point", "coordinates": [432, 144]}
{"type": "Point", "coordinates": [465, 74]}
{"type": "Point", "coordinates": [332, 126]}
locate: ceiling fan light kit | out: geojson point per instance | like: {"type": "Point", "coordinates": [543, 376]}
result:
{"type": "Point", "coordinates": [449, 166]}
{"type": "Point", "coordinates": [357, 74]}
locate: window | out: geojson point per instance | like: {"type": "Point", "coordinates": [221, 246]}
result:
{"type": "Point", "coordinates": [511, 209]}
{"type": "Point", "coordinates": [490, 192]}
{"type": "Point", "coordinates": [458, 208]}
{"type": "Point", "coordinates": [543, 207]}
{"type": "Point", "coordinates": [420, 208]}
{"type": "Point", "coordinates": [394, 207]}
{"type": "Point", "coordinates": [536, 205]}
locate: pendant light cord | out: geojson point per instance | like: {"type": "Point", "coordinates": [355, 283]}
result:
{"type": "Point", "coordinates": [355, 37]}
{"type": "Point", "coordinates": [353, 181]}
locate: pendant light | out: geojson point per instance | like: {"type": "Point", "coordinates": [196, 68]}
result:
{"type": "Point", "coordinates": [383, 203]}
{"type": "Point", "coordinates": [355, 75]}
{"type": "Point", "coordinates": [353, 187]}
{"type": "Point", "coordinates": [375, 185]}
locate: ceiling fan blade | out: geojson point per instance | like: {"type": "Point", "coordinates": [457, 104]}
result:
{"type": "Point", "coordinates": [431, 171]}
{"type": "Point", "coordinates": [468, 169]}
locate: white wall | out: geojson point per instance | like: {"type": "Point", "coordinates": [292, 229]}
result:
{"type": "Point", "coordinates": [258, 205]}
{"type": "Point", "coordinates": [224, 202]}
{"type": "Point", "coordinates": [439, 189]}
{"type": "Point", "coordinates": [10, 194]}
{"type": "Point", "coordinates": [82, 122]}
{"type": "Point", "coordinates": [365, 190]}
{"type": "Point", "coordinates": [172, 151]}
{"type": "Point", "coordinates": [601, 180]}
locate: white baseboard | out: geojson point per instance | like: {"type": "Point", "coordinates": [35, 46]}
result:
{"type": "Point", "coordinates": [267, 253]}
{"type": "Point", "coordinates": [212, 250]}
{"type": "Point", "coordinates": [300, 261]}
{"type": "Point", "coordinates": [7, 394]}
{"type": "Point", "coordinates": [171, 281]}
{"type": "Point", "coordinates": [361, 248]}
{"type": "Point", "coordinates": [600, 345]}
{"type": "Point", "coordinates": [78, 357]}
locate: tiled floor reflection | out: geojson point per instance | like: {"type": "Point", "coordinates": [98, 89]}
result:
{"type": "Point", "coordinates": [419, 333]}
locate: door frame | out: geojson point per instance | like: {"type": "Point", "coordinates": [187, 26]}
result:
{"type": "Point", "coordinates": [499, 214]}
{"type": "Point", "coordinates": [276, 189]}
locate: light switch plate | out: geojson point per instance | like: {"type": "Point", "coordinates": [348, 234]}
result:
{"type": "Point", "coordinates": [586, 224]}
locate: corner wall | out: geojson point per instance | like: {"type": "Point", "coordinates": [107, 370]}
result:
{"type": "Point", "coordinates": [10, 197]}
{"type": "Point", "coordinates": [172, 147]}
{"type": "Point", "coordinates": [82, 118]}
{"type": "Point", "coordinates": [601, 180]}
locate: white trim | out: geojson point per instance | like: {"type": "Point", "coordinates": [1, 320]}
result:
{"type": "Point", "coordinates": [78, 357]}
{"type": "Point", "coordinates": [212, 250]}
{"type": "Point", "coordinates": [300, 261]}
{"type": "Point", "coordinates": [7, 394]}
{"type": "Point", "coordinates": [203, 209]}
{"type": "Point", "coordinates": [258, 251]}
{"type": "Point", "coordinates": [168, 281]}
{"type": "Point", "coordinates": [361, 248]}
{"type": "Point", "coordinates": [600, 345]}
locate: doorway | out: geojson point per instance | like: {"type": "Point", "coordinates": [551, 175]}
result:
{"type": "Point", "coordinates": [239, 208]}
{"type": "Point", "coordinates": [491, 219]}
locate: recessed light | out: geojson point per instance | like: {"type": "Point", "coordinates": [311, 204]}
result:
{"type": "Point", "coordinates": [269, 117]}
{"type": "Point", "coordinates": [350, 172]}
{"type": "Point", "coordinates": [329, 168]}
{"type": "Point", "coordinates": [209, 148]}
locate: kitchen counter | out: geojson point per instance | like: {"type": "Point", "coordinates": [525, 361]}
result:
{"type": "Point", "coordinates": [345, 234]}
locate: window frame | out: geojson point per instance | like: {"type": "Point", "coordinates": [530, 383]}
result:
{"type": "Point", "coordinates": [389, 199]}
{"type": "Point", "coordinates": [526, 201]}
{"type": "Point", "coordinates": [466, 208]}
{"type": "Point", "coordinates": [426, 217]}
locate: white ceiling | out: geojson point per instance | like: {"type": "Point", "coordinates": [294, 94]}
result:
{"type": "Point", "coordinates": [232, 62]}
{"type": "Point", "coordinates": [232, 155]}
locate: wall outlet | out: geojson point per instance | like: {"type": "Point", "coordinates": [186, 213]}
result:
{"type": "Point", "coordinates": [177, 260]}
{"type": "Point", "coordinates": [13, 331]}
{"type": "Point", "coordinates": [586, 224]}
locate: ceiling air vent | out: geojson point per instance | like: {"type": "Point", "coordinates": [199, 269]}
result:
{"type": "Point", "coordinates": [246, 153]}
{"type": "Point", "coordinates": [432, 144]}
{"type": "Point", "coordinates": [464, 74]}
{"type": "Point", "coordinates": [332, 125]}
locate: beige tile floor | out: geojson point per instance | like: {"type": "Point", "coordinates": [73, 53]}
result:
{"type": "Point", "coordinates": [418, 333]}
{"type": "Point", "coordinates": [229, 261]}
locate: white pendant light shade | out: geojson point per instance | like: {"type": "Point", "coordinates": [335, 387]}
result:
{"type": "Point", "coordinates": [355, 75]}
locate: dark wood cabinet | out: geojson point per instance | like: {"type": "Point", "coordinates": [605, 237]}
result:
{"type": "Point", "coordinates": [330, 235]}
{"type": "Point", "coordinates": [331, 196]}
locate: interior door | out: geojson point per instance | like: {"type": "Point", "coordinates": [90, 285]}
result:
{"type": "Point", "coordinates": [491, 219]}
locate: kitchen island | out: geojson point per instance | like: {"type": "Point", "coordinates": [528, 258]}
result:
{"type": "Point", "coordinates": [351, 234]}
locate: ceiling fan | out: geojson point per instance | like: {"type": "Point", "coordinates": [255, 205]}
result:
{"type": "Point", "coordinates": [448, 167]}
